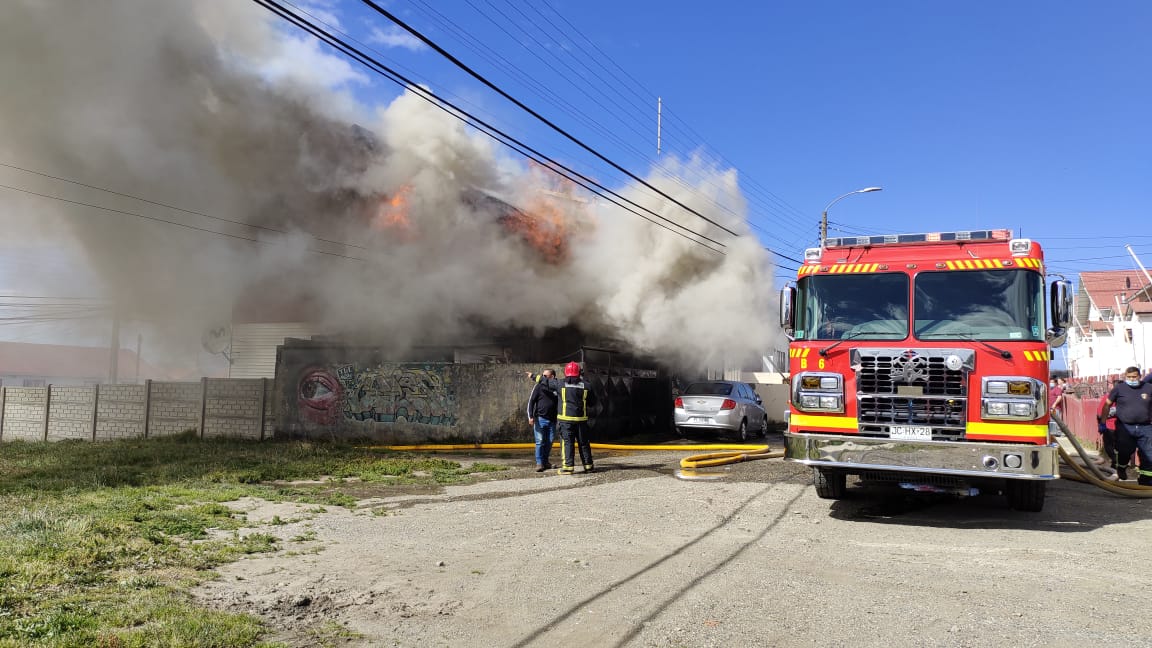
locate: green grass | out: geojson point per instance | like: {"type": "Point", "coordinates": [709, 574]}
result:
{"type": "Point", "coordinates": [100, 542]}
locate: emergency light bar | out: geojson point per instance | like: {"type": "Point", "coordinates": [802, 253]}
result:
{"type": "Point", "coordinates": [928, 237]}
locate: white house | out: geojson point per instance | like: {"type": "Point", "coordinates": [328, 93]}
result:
{"type": "Point", "coordinates": [1112, 329]}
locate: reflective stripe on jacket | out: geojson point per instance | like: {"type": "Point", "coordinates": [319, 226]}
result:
{"type": "Point", "coordinates": [573, 402]}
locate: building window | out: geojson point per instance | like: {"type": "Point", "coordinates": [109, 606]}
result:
{"type": "Point", "coordinates": [1089, 352]}
{"type": "Point", "coordinates": [1128, 335]}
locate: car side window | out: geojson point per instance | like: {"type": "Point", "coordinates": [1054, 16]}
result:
{"type": "Point", "coordinates": [744, 392]}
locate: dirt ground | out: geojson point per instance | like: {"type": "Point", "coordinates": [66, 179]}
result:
{"type": "Point", "coordinates": [633, 556]}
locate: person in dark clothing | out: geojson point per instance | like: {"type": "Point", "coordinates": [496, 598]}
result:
{"type": "Point", "coordinates": [542, 418]}
{"type": "Point", "coordinates": [574, 397]}
{"type": "Point", "coordinates": [1108, 426]}
{"type": "Point", "coordinates": [1133, 400]}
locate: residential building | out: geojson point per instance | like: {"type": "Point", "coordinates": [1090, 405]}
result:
{"type": "Point", "coordinates": [1112, 329]}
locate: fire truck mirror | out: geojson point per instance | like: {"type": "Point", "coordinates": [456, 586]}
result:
{"type": "Point", "coordinates": [1060, 304]}
{"type": "Point", "coordinates": [787, 299]}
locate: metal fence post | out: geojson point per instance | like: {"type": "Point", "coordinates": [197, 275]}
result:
{"type": "Point", "coordinates": [3, 404]}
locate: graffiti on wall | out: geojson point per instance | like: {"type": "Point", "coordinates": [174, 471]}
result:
{"type": "Point", "coordinates": [382, 394]}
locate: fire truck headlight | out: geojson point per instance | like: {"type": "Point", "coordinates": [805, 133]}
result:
{"type": "Point", "coordinates": [996, 387]}
{"type": "Point", "coordinates": [997, 408]}
{"type": "Point", "coordinates": [1020, 409]}
{"type": "Point", "coordinates": [830, 402]}
{"type": "Point", "coordinates": [809, 401]}
{"type": "Point", "coordinates": [829, 382]}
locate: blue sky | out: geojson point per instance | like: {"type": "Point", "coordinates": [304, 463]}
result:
{"type": "Point", "coordinates": [1026, 115]}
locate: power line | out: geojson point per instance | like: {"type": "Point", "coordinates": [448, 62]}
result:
{"type": "Point", "coordinates": [161, 220]}
{"type": "Point", "coordinates": [751, 181]}
{"type": "Point", "coordinates": [173, 207]}
{"type": "Point", "coordinates": [479, 77]}
{"type": "Point", "coordinates": [547, 94]}
{"type": "Point", "coordinates": [488, 129]}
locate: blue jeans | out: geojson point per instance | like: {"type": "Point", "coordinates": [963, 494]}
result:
{"type": "Point", "coordinates": [543, 429]}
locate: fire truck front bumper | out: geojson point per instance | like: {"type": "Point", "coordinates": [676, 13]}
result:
{"type": "Point", "coordinates": [962, 459]}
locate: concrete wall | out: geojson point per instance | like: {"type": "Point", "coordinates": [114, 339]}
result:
{"type": "Point", "coordinates": [331, 391]}
{"type": "Point", "coordinates": [211, 407]}
{"type": "Point", "coordinates": [403, 402]}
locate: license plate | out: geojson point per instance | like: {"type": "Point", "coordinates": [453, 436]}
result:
{"type": "Point", "coordinates": [915, 432]}
{"type": "Point", "coordinates": [698, 419]}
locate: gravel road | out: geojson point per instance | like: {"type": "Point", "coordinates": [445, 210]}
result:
{"type": "Point", "coordinates": [633, 556]}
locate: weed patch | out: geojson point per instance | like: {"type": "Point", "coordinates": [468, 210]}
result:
{"type": "Point", "coordinates": [99, 542]}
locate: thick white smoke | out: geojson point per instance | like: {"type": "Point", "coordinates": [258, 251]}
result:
{"type": "Point", "coordinates": [207, 105]}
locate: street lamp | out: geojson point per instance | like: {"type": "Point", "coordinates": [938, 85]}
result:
{"type": "Point", "coordinates": [824, 218]}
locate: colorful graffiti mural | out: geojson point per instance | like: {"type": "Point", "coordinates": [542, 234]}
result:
{"type": "Point", "coordinates": [416, 393]}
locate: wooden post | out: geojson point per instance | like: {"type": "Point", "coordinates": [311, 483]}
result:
{"type": "Point", "coordinates": [147, 405]}
{"type": "Point", "coordinates": [95, 410]}
{"type": "Point", "coordinates": [263, 404]}
{"type": "Point", "coordinates": [3, 404]}
{"type": "Point", "coordinates": [203, 404]}
{"type": "Point", "coordinates": [47, 409]}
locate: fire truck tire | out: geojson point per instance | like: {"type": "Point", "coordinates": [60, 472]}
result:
{"type": "Point", "coordinates": [830, 484]}
{"type": "Point", "coordinates": [744, 436]}
{"type": "Point", "coordinates": [1025, 495]}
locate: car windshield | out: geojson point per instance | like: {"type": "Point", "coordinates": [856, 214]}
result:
{"type": "Point", "coordinates": [708, 389]}
{"type": "Point", "coordinates": [980, 305]}
{"type": "Point", "coordinates": [852, 306]}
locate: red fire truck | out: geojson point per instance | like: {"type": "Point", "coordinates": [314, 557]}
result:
{"type": "Point", "coordinates": [922, 359]}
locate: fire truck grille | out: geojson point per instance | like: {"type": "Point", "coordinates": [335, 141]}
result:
{"type": "Point", "coordinates": [884, 374]}
{"type": "Point", "coordinates": [912, 387]}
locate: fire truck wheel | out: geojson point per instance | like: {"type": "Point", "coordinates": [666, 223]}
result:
{"type": "Point", "coordinates": [1025, 495]}
{"type": "Point", "coordinates": [830, 484]}
{"type": "Point", "coordinates": [744, 436]}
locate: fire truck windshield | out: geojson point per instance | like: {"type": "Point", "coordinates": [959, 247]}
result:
{"type": "Point", "coordinates": [979, 305]}
{"type": "Point", "coordinates": [852, 306]}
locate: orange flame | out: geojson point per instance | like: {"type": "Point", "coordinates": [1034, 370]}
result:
{"type": "Point", "coordinates": [392, 213]}
{"type": "Point", "coordinates": [543, 226]}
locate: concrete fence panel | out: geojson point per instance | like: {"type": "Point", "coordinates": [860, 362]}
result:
{"type": "Point", "coordinates": [25, 413]}
{"type": "Point", "coordinates": [120, 412]}
{"type": "Point", "coordinates": [175, 407]}
{"type": "Point", "coordinates": [70, 413]}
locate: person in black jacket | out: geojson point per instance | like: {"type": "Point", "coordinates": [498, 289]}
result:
{"type": "Point", "coordinates": [542, 418]}
{"type": "Point", "coordinates": [575, 397]}
{"type": "Point", "coordinates": [1133, 400]}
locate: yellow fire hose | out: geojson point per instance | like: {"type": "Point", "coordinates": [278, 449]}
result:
{"type": "Point", "coordinates": [1086, 470]}
{"type": "Point", "coordinates": [733, 453]}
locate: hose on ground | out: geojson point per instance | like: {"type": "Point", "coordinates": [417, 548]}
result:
{"type": "Point", "coordinates": [1093, 475]}
{"type": "Point", "coordinates": [731, 453]}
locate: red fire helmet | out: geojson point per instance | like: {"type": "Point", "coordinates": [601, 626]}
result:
{"type": "Point", "coordinates": [572, 369]}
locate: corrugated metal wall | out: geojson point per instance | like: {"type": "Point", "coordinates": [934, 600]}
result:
{"type": "Point", "coordinates": [254, 347]}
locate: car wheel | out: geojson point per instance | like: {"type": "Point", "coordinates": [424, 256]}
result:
{"type": "Point", "coordinates": [744, 436]}
{"type": "Point", "coordinates": [763, 427]}
{"type": "Point", "coordinates": [680, 431]}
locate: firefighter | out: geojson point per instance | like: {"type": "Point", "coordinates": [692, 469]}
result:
{"type": "Point", "coordinates": [574, 397]}
{"type": "Point", "coordinates": [1133, 400]}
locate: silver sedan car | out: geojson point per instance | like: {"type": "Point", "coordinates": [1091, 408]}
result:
{"type": "Point", "coordinates": [721, 405]}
